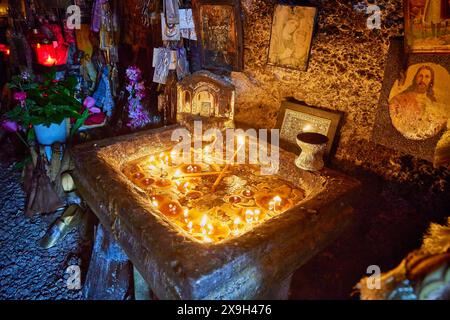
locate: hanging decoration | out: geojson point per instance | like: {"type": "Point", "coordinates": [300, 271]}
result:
{"type": "Point", "coordinates": [162, 58]}
{"type": "Point", "coordinates": [103, 94]}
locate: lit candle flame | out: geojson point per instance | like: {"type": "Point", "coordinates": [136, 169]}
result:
{"type": "Point", "coordinates": [177, 173]}
{"type": "Point", "coordinates": [204, 221]}
{"type": "Point", "coordinates": [308, 128]}
{"type": "Point", "coordinates": [50, 61]}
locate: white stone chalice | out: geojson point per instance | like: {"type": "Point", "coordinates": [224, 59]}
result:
{"type": "Point", "coordinates": [313, 147]}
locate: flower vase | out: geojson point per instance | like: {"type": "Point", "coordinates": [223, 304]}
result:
{"type": "Point", "coordinates": [49, 135]}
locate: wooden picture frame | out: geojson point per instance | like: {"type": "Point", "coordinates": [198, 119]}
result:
{"type": "Point", "coordinates": [219, 31]}
{"type": "Point", "coordinates": [296, 117]}
{"type": "Point", "coordinates": [291, 36]}
{"type": "Point", "coordinates": [427, 26]}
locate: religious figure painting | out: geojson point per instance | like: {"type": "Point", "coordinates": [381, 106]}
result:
{"type": "Point", "coordinates": [292, 32]}
{"type": "Point", "coordinates": [414, 111]}
{"type": "Point", "coordinates": [419, 109]}
{"type": "Point", "coordinates": [219, 27]}
{"type": "Point", "coordinates": [427, 26]}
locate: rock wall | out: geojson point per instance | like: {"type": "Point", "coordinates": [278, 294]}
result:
{"type": "Point", "coordinates": [345, 73]}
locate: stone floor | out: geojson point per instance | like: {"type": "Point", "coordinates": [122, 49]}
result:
{"type": "Point", "coordinates": [26, 270]}
{"type": "Point", "coordinates": [392, 218]}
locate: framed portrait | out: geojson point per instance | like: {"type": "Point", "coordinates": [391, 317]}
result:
{"type": "Point", "coordinates": [296, 117]}
{"type": "Point", "coordinates": [291, 36]}
{"type": "Point", "coordinates": [414, 115]}
{"type": "Point", "coordinates": [219, 30]}
{"type": "Point", "coordinates": [427, 26]}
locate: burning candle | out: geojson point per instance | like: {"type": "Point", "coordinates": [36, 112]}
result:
{"type": "Point", "coordinates": [177, 173]}
{"type": "Point", "coordinates": [171, 209]}
{"type": "Point", "coordinates": [203, 223]}
{"type": "Point", "coordinates": [234, 199]}
{"type": "Point", "coordinates": [249, 215]}
{"type": "Point", "coordinates": [257, 214]}
{"type": "Point", "coordinates": [163, 183]}
{"type": "Point", "coordinates": [138, 175]}
{"type": "Point", "coordinates": [236, 223]}
{"type": "Point", "coordinates": [247, 193]}
{"type": "Point", "coordinates": [148, 181]}
{"type": "Point", "coordinates": [275, 204]}
{"type": "Point", "coordinates": [190, 225]}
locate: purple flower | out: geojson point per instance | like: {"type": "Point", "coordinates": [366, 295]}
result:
{"type": "Point", "coordinates": [10, 126]}
{"type": "Point", "coordinates": [133, 73]}
{"type": "Point", "coordinates": [140, 95]}
{"type": "Point", "coordinates": [20, 96]}
{"type": "Point", "coordinates": [129, 88]}
{"type": "Point", "coordinates": [140, 86]}
{"type": "Point", "coordinates": [25, 75]}
{"type": "Point", "coordinates": [89, 102]}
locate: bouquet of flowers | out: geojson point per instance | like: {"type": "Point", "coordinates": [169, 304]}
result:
{"type": "Point", "coordinates": [139, 117]}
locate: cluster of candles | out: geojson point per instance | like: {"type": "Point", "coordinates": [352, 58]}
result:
{"type": "Point", "coordinates": [166, 171]}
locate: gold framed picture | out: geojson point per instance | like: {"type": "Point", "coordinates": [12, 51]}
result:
{"type": "Point", "coordinates": [291, 36]}
{"type": "Point", "coordinates": [427, 26]}
{"type": "Point", "coordinates": [296, 117]}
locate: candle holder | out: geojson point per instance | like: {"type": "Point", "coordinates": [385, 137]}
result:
{"type": "Point", "coordinates": [313, 147]}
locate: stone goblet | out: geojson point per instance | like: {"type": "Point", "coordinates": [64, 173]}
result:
{"type": "Point", "coordinates": [313, 147]}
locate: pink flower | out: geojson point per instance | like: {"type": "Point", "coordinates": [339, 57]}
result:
{"type": "Point", "coordinates": [20, 96]}
{"type": "Point", "coordinates": [89, 102]}
{"type": "Point", "coordinates": [95, 110]}
{"type": "Point", "coordinates": [10, 126]}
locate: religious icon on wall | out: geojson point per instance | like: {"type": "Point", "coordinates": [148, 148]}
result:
{"type": "Point", "coordinates": [414, 115]}
{"type": "Point", "coordinates": [419, 109]}
{"type": "Point", "coordinates": [292, 32]}
{"type": "Point", "coordinates": [427, 25]}
{"type": "Point", "coordinates": [219, 29]}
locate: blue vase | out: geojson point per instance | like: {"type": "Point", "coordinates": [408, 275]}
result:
{"type": "Point", "coordinates": [49, 135]}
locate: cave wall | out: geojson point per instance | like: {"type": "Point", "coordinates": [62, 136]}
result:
{"type": "Point", "coordinates": [345, 73]}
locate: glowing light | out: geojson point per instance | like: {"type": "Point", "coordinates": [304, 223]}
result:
{"type": "Point", "coordinates": [177, 173]}
{"type": "Point", "coordinates": [308, 128]}
{"type": "Point", "coordinates": [204, 221]}
{"type": "Point", "coordinates": [50, 61]}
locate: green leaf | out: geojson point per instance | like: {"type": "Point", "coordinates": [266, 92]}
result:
{"type": "Point", "coordinates": [77, 125]}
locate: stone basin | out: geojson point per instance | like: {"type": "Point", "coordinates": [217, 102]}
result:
{"type": "Point", "coordinates": [254, 265]}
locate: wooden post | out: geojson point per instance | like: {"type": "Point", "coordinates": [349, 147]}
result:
{"type": "Point", "coordinates": [110, 272]}
{"type": "Point", "coordinates": [141, 289]}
